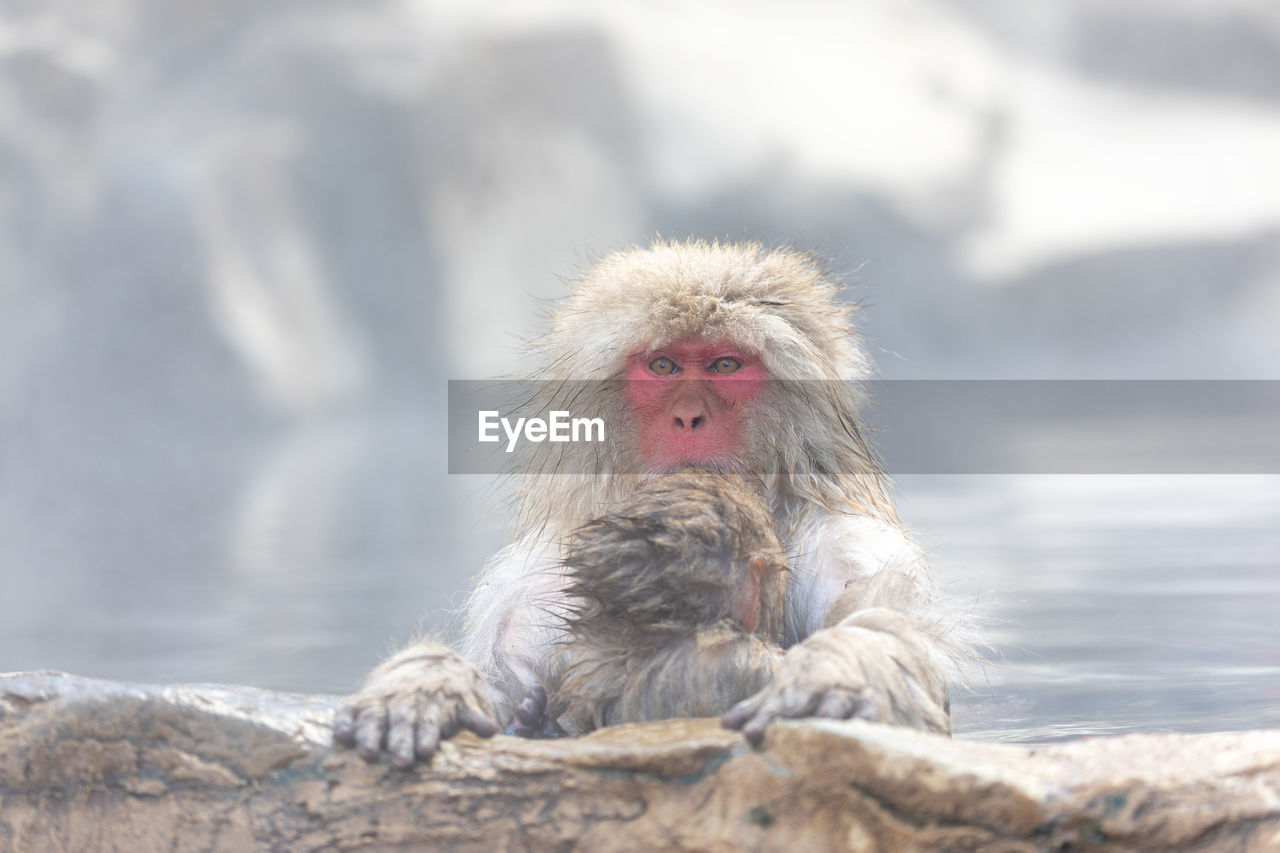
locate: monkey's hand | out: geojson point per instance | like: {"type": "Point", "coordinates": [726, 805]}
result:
{"type": "Point", "coordinates": [873, 665]}
{"type": "Point", "coordinates": [408, 704]}
{"type": "Point", "coordinates": [532, 717]}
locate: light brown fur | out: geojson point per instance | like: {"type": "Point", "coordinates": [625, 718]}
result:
{"type": "Point", "coordinates": [805, 440]}
{"type": "Point", "coordinates": [776, 302]}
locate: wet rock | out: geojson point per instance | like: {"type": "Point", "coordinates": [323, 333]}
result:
{"type": "Point", "coordinates": [94, 765]}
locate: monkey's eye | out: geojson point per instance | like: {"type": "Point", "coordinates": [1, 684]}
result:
{"type": "Point", "coordinates": [662, 365]}
{"type": "Point", "coordinates": [726, 365]}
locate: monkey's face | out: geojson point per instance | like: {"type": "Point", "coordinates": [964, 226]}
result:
{"type": "Point", "coordinates": [690, 400]}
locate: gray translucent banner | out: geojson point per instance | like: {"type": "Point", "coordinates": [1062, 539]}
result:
{"type": "Point", "coordinates": [919, 426]}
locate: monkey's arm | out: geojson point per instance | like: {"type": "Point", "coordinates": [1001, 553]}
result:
{"type": "Point", "coordinates": [869, 612]}
{"type": "Point", "coordinates": [873, 665]}
{"type": "Point", "coordinates": [412, 701]}
{"type": "Point", "coordinates": [428, 692]}
{"type": "Point", "coordinates": [847, 563]}
{"type": "Point", "coordinates": [514, 620]}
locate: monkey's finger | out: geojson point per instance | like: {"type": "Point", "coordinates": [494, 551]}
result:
{"type": "Point", "coordinates": [371, 726]}
{"type": "Point", "coordinates": [738, 715]}
{"type": "Point", "coordinates": [435, 724]}
{"type": "Point", "coordinates": [836, 706]}
{"type": "Point", "coordinates": [865, 709]}
{"type": "Point", "coordinates": [768, 711]}
{"type": "Point", "coordinates": [477, 721]}
{"type": "Point", "coordinates": [799, 701]}
{"type": "Point", "coordinates": [402, 714]}
{"type": "Point", "coordinates": [344, 726]}
{"type": "Point", "coordinates": [754, 730]}
{"type": "Point", "coordinates": [522, 726]}
{"type": "Point", "coordinates": [530, 711]}
{"type": "Point", "coordinates": [428, 738]}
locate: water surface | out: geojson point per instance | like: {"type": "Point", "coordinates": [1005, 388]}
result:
{"type": "Point", "coordinates": [295, 560]}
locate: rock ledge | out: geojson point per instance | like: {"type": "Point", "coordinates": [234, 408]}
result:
{"type": "Point", "coordinates": [96, 765]}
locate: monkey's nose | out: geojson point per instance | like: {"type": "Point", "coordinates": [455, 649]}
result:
{"type": "Point", "coordinates": [688, 412]}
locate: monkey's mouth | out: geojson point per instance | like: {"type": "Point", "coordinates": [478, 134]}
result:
{"type": "Point", "coordinates": [717, 449]}
{"type": "Point", "coordinates": [709, 461]}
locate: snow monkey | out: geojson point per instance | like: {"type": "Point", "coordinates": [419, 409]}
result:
{"type": "Point", "coordinates": [729, 357]}
{"type": "Point", "coordinates": [677, 605]}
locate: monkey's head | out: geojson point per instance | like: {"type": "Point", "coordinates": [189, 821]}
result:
{"type": "Point", "coordinates": [703, 339]}
{"type": "Point", "coordinates": [690, 550]}
{"type": "Point", "coordinates": [729, 357]}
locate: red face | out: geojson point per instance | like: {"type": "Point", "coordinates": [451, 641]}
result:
{"type": "Point", "coordinates": [690, 400]}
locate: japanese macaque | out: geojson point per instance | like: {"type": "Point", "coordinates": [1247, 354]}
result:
{"type": "Point", "coordinates": [732, 358]}
{"type": "Point", "coordinates": [677, 605]}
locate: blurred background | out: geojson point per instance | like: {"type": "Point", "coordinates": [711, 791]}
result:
{"type": "Point", "coordinates": [243, 246]}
